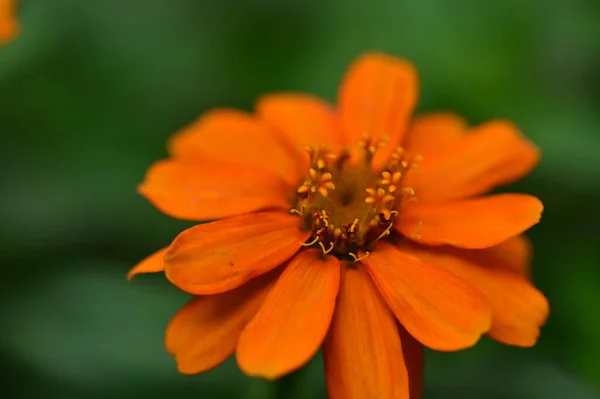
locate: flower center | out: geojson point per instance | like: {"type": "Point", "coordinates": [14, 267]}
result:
{"type": "Point", "coordinates": [349, 206]}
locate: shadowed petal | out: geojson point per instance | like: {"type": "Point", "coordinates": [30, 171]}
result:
{"type": "Point", "coordinates": [473, 223]}
{"type": "Point", "coordinates": [220, 256]}
{"type": "Point", "coordinates": [414, 358]}
{"type": "Point", "coordinates": [363, 353]}
{"type": "Point", "coordinates": [294, 319]}
{"type": "Point", "coordinates": [205, 331]}
{"type": "Point", "coordinates": [512, 255]}
{"type": "Point", "coordinates": [441, 310]}
{"type": "Point", "coordinates": [518, 308]}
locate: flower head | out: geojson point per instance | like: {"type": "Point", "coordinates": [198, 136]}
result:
{"type": "Point", "coordinates": [351, 228]}
{"type": "Point", "coordinates": [8, 24]}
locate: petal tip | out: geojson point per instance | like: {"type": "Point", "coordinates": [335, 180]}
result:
{"type": "Point", "coordinates": [268, 375]}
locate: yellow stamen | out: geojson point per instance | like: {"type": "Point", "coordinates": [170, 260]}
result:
{"type": "Point", "coordinates": [325, 252]}
{"type": "Point", "coordinates": [303, 189]}
{"type": "Point", "coordinates": [309, 244]}
{"type": "Point", "coordinates": [415, 235]}
{"type": "Point", "coordinates": [325, 177]}
{"type": "Point", "coordinates": [408, 191]}
{"type": "Point", "coordinates": [353, 226]}
{"type": "Point", "coordinates": [330, 205]}
{"type": "Point", "coordinates": [385, 232]}
{"type": "Point", "coordinates": [358, 259]}
{"type": "Point", "coordinates": [387, 198]}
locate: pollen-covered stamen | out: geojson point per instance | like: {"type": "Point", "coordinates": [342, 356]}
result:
{"type": "Point", "coordinates": [317, 182]}
{"type": "Point", "coordinates": [395, 170]}
{"type": "Point", "coordinates": [378, 197]}
{"type": "Point", "coordinates": [347, 206]}
{"type": "Point", "coordinates": [390, 180]}
{"type": "Point", "coordinates": [319, 178]}
{"type": "Point", "coordinates": [371, 146]}
{"type": "Point", "coordinates": [321, 158]}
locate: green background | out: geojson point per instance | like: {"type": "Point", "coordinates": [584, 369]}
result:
{"type": "Point", "coordinates": [90, 91]}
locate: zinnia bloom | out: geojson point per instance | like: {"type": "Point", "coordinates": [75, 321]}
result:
{"type": "Point", "coordinates": [349, 228]}
{"type": "Point", "coordinates": [8, 24]}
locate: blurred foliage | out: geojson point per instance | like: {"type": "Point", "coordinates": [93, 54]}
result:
{"type": "Point", "coordinates": [91, 89]}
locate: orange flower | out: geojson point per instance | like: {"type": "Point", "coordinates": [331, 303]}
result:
{"type": "Point", "coordinates": [8, 24]}
{"type": "Point", "coordinates": [348, 229]}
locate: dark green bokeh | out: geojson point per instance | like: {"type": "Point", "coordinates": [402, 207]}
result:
{"type": "Point", "coordinates": [91, 90]}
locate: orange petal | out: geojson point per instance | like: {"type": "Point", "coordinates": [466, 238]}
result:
{"type": "Point", "coordinates": [205, 332]}
{"type": "Point", "coordinates": [8, 24]}
{"type": "Point", "coordinates": [473, 223]}
{"type": "Point", "coordinates": [518, 308]}
{"type": "Point", "coordinates": [303, 119]}
{"type": "Point", "coordinates": [294, 319]}
{"type": "Point", "coordinates": [439, 309]}
{"type": "Point", "coordinates": [414, 359]}
{"type": "Point", "coordinates": [220, 256]}
{"type": "Point", "coordinates": [513, 255]}
{"type": "Point", "coordinates": [377, 97]}
{"type": "Point", "coordinates": [363, 353]}
{"type": "Point", "coordinates": [151, 264]}
{"type": "Point", "coordinates": [493, 154]}
{"type": "Point", "coordinates": [233, 136]}
{"type": "Point", "coordinates": [192, 191]}
{"type": "Point", "coordinates": [432, 133]}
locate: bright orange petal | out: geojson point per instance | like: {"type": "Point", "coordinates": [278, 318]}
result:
{"type": "Point", "coordinates": [430, 134]}
{"type": "Point", "coordinates": [294, 319]}
{"type": "Point", "coordinates": [233, 136]}
{"type": "Point", "coordinates": [193, 191]}
{"type": "Point", "coordinates": [491, 155]}
{"type": "Point", "coordinates": [414, 359]}
{"type": "Point", "coordinates": [473, 223]}
{"type": "Point", "coordinates": [303, 119]}
{"type": "Point", "coordinates": [363, 353]}
{"type": "Point", "coordinates": [518, 308]}
{"type": "Point", "coordinates": [205, 332]}
{"type": "Point", "coordinates": [8, 24]}
{"type": "Point", "coordinates": [439, 309]}
{"type": "Point", "coordinates": [377, 97]}
{"type": "Point", "coordinates": [151, 264]}
{"type": "Point", "coordinates": [220, 256]}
